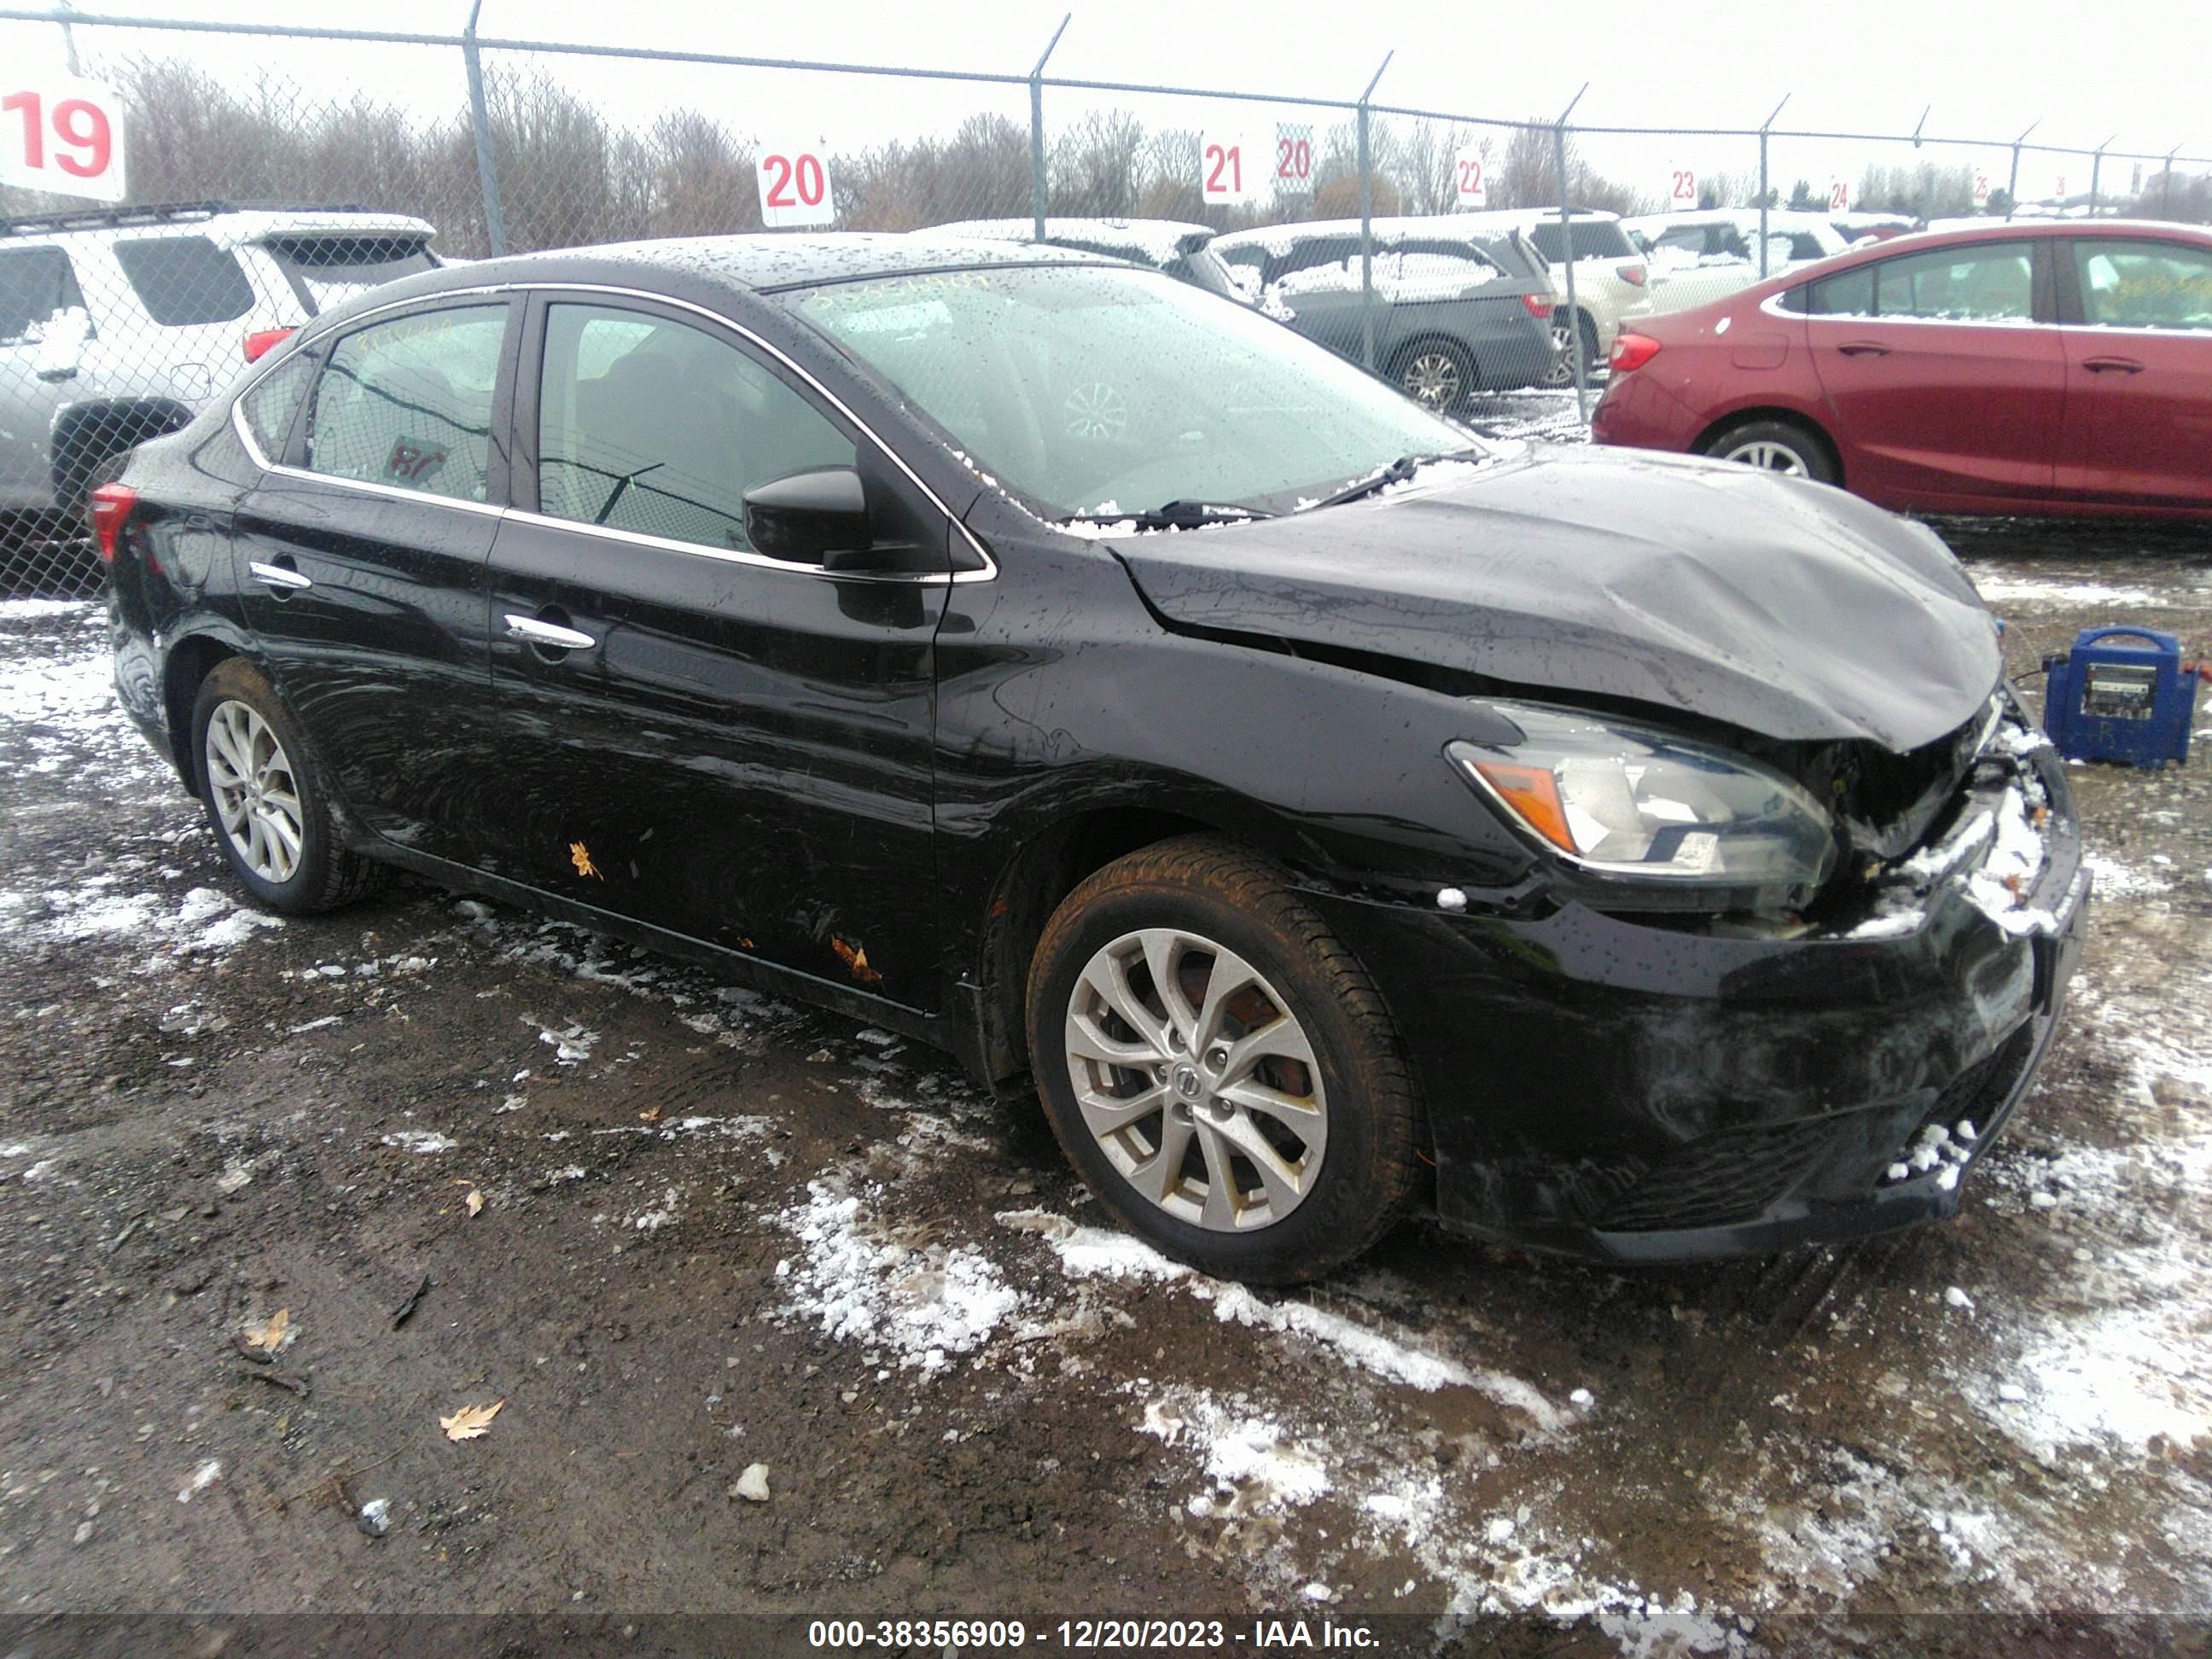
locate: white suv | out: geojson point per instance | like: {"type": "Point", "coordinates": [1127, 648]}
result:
{"type": "Point", "coordinates": [117, 326]}
{"type": "Point", "coordinates": [1701, 256]}
{"type": "Point", "coordinates": [1612, 279]}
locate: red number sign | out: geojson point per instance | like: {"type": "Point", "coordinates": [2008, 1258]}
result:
{"type": "Point", "coordinates": [1222, 174]}
{"type": "Point", "coordinates": [1473, 186]}
{"type": "Point", "coordinates": [1682, 189]}
{"type": "Point", "coordinates": [794, 186]}
{"type": "Point", "coordinates": [62, 135]}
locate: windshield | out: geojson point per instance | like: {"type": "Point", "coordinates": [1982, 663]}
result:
{"type": "Point", "coordinates": [1100, 389]}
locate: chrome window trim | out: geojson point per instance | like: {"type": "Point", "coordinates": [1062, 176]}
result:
{"type": "Point", "coordinates": [1771, 304]}
{"type": "Point", "coordinates": [734, 556]}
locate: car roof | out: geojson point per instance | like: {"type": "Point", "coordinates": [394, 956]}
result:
{"type": "Point", "coordinates": [1161, 240]}
{"type": "Point", "coordinates": [2008, 230]}
{"type": "Point", "coordinates": [220, 221]}
{"type": "Point", "coordinates": [1278, 239]}
{"type": "Point", "coordinates": [1777, 218]}
{"type": "Point", "coordinates": [1531, 217]}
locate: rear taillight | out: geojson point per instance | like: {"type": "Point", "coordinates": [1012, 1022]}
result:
{"type": "Point", "coordinates": [1540, 305]}
{"type": "Point", "coordinates": [262, 341]}
{"type": "Point", "coordinates": [1634, 276]}
{"type": "Point", "coordinates": [1631, 351]}
{"type": "Point", "coordinates": [112, 504]}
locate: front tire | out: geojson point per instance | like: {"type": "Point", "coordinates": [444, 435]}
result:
{"type": "Point", "coordinates": [1219, 1068]}
{"type": "Point", "coordinates": [1777, 447]}
{"type": "Point", "coordinates": [269, 812]}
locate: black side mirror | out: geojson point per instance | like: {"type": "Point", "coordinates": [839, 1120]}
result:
{"type": "Point", "coordinates": [807, 516]}
{"type": "Point", "coordinates": [829, 516]}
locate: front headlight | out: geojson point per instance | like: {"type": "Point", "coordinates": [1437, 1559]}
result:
{"type": "Point", "coordinates": [1629, 801]}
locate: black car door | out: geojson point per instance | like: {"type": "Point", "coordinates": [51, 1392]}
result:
{"type": "Point", "coordinates": [695, 735]}
{"type": "Point", "coordinates": [361, 558]}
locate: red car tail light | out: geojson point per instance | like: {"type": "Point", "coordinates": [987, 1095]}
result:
{"type": "Point", "coordinates": [1540, 305]}
{"type": "Point", "coordinates": [1634, 276]}
{"type": "Point", "coordinates": [262, 341]}
{"type": "Point", "coordinates": [1631, 351]}
{"type": "Point", "coordinates": [112, 504]}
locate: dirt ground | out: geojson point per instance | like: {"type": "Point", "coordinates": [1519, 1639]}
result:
{"type": "Point", "coordinates": [716, 1231]}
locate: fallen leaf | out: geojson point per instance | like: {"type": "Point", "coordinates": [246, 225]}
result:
{"type": "Point", "coordinates": [854, 956]}
{"type": "Point", "coordinates": [653, 1116]}
{"type": "Point", "coordinates": [475, 1201]}
{"type": "Point", "coordinates": [277, 1333]}
{"type": "Point", "coordinates": [580, 856]}
{"type": "Point", "coordinates": [471, 1421]}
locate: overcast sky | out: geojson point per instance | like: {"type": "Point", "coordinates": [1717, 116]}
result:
{"type": "Point", "coordinates": [1989, 69]}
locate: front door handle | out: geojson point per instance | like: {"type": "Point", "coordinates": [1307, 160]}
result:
{"type": "Point", "coordinates": [280, 576]}
{"type": "Point", "coordinates": [2113, 365]}
{"type": "Point", "coordinates": [1863, 348]}
{"type": "Point", "coordinates": [549, 635]}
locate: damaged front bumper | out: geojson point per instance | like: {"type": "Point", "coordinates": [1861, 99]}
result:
{"type": "Point", "coordinates": [1613, 1089]}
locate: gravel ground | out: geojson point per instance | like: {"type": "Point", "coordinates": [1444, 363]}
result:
{"type": "Point", "coordinates": [680, 1229]}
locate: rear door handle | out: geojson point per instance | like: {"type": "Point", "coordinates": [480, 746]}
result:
{"type": "Point", "coordinates": [551, 636]}
{"type": "Point", "coordinates": [279, 577]}
{"type": "Point", "coordinates": [2113, 365]}
{"type": "Point", "coordinates": [1863, 348]}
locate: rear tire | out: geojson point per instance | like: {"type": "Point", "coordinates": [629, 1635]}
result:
{"type": "Point", "coordinates": [1260, 1121]}
{"type": "Point", "coordinates": [1563, 369]}
{"type": "Point", "coordinates": [267, 807]}
{"type": "Point", "coordinates": [1438, 374]}
{"type": "Point", "coordinates": [1781, 446]}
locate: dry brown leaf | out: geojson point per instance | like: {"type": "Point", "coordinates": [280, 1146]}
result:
{"type": "Point", "coordinates": [471, 1421]}
{"type": "Point", "coordinates": [653, 1116]}
{"type": "Point", "coordinates": [474, 1200]}
{"type": "Point", "coordinates": [277, 1333]}
{"type": "Point", "coordinates": [855, 957]}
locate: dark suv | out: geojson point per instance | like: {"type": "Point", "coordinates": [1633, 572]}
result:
{"type": "Point", "coordinates": [1452, 313]}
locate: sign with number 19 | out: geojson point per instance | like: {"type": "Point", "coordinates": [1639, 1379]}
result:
{"type": "Point", "coordinates": [63, 135]}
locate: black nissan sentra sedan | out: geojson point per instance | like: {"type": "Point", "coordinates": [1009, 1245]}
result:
{"type": "Point", "coordinates": [1327, 812]}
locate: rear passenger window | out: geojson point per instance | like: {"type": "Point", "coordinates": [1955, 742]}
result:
{"type": "Point", "coordinates": [186, 280]}
{"type": "Point", "coordinates": [408, 403]}
{"type": "Point", "coordinates": [1987, 282]}
{"type": "Point", "coordinates": [656, 427]}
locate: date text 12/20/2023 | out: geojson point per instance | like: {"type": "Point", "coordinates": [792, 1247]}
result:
{"type": "Point", "coordinates": [1086, 1635]}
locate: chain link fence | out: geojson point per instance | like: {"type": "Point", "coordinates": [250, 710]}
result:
{"type": "Point", "coordinates": [240, 195]}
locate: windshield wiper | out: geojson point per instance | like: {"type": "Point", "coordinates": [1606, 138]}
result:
{"type": "Point", "coordinates": [1397, 472]}
{"type": "Point", "coordinates": [1175, 515]}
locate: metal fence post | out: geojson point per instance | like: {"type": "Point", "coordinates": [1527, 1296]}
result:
{"type": "Point", "coordinates": [2012, 184]}
{"type": "Point", "coordinates": [2170, 154]}
{"type": "Point", "coordinates": [2096, 173]}
{"type": "Point", "coordinates": [1567, 253]}
{"type": "Point", "coordinates": [487, 173]}
{"type": "Point", "coordinates": [1036, 130]}
{"type": "Point", "coordinates": [1764, 189]}
{"type": "Point", "coordinates": [1367, 224]}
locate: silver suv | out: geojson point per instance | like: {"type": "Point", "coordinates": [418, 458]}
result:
{"type": "Point", "coordinates": [117, 326]}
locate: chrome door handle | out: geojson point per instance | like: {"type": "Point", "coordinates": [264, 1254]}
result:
{"type": "Point", "coordinates": [552, 635]}
{"type": "Point", "coordinates": [278, 575]}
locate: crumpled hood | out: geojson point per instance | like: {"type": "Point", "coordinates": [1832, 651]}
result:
{"type": "Point", "coordinates": [1784, 607]}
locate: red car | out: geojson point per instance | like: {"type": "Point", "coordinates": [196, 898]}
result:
{"type": "Point", "coordinates": [2034, 367]}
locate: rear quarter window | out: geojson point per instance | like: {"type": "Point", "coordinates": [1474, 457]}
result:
{"type": "Point", "coordinates": [37, 285]}
{"type": "Point", "coordinates": [186, 280]}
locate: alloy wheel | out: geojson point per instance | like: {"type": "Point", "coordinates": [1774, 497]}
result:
{"type": "Point", "coordinates": [1196, 1080]}
{"type": "Point", "coordinates": [1767, 455]}
{"type": "Point", "coordinates": [1096, 410]}
{"type": "Point", "coordinates": [256, 797]}
{"type": "Point", "coordinates": [1562, 371]}
{"type": "Point", "coordinates": [1432, 378]}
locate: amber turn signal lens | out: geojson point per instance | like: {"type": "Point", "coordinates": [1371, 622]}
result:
{"type": "Point", "coordinates": [1533, 792]}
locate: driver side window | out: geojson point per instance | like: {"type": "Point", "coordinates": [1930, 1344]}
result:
{"type": "Point", "coordinates": [653, 426]}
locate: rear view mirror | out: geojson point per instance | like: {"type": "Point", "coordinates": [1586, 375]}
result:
{"type": "Point", "coordinates": [805, 516]}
